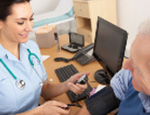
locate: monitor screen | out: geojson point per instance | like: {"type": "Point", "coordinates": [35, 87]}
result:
{"type": "Point", "coordinates": [109, 47]}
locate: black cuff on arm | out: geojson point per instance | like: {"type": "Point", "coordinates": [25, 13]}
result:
{"type": "Point", "coordinates": [103, 102]}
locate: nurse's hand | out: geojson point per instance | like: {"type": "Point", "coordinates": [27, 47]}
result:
{"type": "Point", "coordinates": [76, 88]}
{"type": "Point", "coordinates": [53, 108]}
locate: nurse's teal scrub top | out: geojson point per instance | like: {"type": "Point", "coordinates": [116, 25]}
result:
{"type": "Point", "coordinates": [12, 99]}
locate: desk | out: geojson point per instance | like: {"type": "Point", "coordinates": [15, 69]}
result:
{"type": "Point", "coordinates": [51, 65]}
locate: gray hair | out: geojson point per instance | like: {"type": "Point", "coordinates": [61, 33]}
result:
{"type": "Point", "coordinates": [144, 28]}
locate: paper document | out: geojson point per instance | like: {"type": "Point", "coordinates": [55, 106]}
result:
{"type": "Point", "coordinates": [44, 57]}
{"type": "Point", "coordinates": [99, 87]}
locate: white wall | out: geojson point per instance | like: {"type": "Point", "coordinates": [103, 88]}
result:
{"type": "Point", "coordinates": [40, 6]}
{"type": "Point", "coordinates": [130, 14]}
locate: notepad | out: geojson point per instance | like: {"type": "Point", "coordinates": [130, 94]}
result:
{"type": "Point", "coordinates": [45, 57]}
{"type": "Point", "coordinates": [99, 87]}
{"type": "Point", "coordinates": [96, 89]}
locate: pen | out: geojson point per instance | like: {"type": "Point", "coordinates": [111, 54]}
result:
{"type": "Point", "coordinates": [47, 82]}
{"type": "Point", "coordinates": [57, 41]}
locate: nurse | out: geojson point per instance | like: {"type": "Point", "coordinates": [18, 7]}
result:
{"type": "Point", "coordinates": [22, 74]}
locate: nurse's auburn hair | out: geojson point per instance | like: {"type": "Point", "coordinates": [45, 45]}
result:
{"type": "Point", "coordinates": [5, 7]}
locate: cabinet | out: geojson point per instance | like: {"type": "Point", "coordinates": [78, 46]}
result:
{"type": "Point", "coordinates": [86, 13]}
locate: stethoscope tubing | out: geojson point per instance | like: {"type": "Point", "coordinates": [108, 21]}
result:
{"type": "Point", "coordinates": [29, 57]}
{"type": "Point", "coordinates": [8, 69]}
{"type": "Point", "coordinates": [32, 64]}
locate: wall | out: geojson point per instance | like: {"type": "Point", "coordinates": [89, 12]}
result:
{"type": "Point", "coordinates": [40, 6]}
{"type": "Point", "coordinates": [130, 14]}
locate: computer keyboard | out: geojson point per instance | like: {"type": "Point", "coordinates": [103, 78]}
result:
{"type": "Point", "coordinates": [64, 73]}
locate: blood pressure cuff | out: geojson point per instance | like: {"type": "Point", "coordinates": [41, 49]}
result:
{"type": "Point", "coordinates": [103, 102]}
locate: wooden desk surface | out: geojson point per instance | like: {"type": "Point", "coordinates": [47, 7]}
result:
{"type": "Point", "coordinates": [51, 65]}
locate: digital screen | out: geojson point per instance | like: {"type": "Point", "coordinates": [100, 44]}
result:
{"type": "Point", "coordinates": [76, 39]}
{"type": "Point", "coordinates": [109, 47]}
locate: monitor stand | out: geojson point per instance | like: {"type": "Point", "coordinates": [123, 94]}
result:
{"type": "Point", "coordinates": [102, 77]}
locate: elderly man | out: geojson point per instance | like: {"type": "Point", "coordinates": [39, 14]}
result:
{"type": "Point", "coordinates": [130, 85]}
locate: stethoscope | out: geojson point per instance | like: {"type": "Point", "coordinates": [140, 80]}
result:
{"type": "Point", "coordinates": [20, 83]}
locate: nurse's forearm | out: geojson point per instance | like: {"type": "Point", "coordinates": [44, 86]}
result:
{"type": "Point", "coordinates": [35, 111]}
{"type": "Point", "coordinates": [52, 90]}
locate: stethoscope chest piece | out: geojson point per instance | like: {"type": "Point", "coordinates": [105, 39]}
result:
{"type": "Point", "coordinates": [20, 84]}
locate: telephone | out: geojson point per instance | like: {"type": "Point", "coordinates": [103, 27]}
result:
{"type": "Point", "coordinates": [83, 56]}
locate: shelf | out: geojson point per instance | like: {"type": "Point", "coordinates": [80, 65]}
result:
{"type": "Point", "coordinates": [84, 29]}
{"type": "Point", "coordinates": [84, 23]}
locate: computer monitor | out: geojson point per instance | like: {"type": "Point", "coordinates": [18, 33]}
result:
{"type": "Point", "coordinates": [109, 48]}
